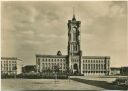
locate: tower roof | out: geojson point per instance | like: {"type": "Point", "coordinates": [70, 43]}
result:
{"type": "Point", "coordinates": [73, 17]}
{"type": "Point", "coordinates": [59, 53]}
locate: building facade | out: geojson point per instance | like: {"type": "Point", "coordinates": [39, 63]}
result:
{"type": "Point", "coordinates": [11, 65]}
{"type": "Point", "coordinates": [96, 65]}
{"type": "Point", "coordinates": [46, 62]}
{"type": "Point", "coordinates": [115, 70]}
{"type": "Point", "coordinates": [74, 62]}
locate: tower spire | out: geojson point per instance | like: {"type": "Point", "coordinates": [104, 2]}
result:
{"type": "Point", "coordinates": [73, 14]}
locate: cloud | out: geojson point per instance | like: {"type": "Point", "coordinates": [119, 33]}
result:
{"type": "Point", "coordinates": [41, 27]}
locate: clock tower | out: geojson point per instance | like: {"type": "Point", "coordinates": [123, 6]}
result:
{"type": "Point", "coordinates": [74, 52]}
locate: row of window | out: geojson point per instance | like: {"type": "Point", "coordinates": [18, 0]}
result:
{"type": "Point", "coordinates": [94, 71]}
{"type": "Point", "coordinates": [51, 67]}
{"type": "Point", "coordinates": [74, 60]}
{"type": "Point", "coordinates": [51, 60]}
{"type": "Point", "coordinates": [94, 66]}
{"type": "Point", "coordinates": [7, 68]}
{"type": "Point", "coordinates": [8, 72]}
{"type": "Point", "coordinates": [53, 64]}
{"type": "Point", "coordinates": [8, 62]}
{"type": "Point", "coordinates": [93, 61]}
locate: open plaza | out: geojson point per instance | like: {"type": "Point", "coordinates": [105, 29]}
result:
{"type": "Point", "coordinates": [74, 83]}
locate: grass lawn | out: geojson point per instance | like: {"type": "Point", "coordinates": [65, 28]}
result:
{"type": "Point", "coordinates": [105, 83]}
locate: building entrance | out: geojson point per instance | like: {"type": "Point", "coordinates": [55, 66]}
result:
{"type": "Point", "coordinates": [75, 69]}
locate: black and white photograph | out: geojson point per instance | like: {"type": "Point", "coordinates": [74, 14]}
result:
{"type": "Point", "coordinates": [64, 45]}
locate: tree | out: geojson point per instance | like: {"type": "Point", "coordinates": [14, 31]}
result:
{"type": "Point", "coordinates": [15, 69]}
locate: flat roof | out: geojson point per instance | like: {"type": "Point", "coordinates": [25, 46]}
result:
{"type": "Point", "coordinates": [52, 56]}
{"type": "Point", "coordinates": [10, 58]}
{"type": "Point", "coordinates": [95, 57]}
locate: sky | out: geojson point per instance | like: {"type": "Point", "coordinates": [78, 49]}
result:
{"type": "Point", "coordinates": [30, 28]}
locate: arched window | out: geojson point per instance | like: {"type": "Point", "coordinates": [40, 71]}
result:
{"type": "Point", "coordinates": [74, 34]}
{"type": "Point", "coordinates": [75, 47]}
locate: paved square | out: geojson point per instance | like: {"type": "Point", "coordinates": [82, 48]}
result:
{"type": "Point", "coordinates": [44, 84]}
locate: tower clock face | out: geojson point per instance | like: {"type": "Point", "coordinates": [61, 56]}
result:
{"type": "Point", "coordinates": [74, 30]}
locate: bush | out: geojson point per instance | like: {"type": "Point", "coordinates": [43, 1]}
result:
{"type": "Point", "coordinates": [31, 76]}
{"type": "Point", "coordinates": [4, 76]}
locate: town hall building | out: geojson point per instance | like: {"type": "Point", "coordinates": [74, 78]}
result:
{"type": "Point", "coordinates": [74, 62]}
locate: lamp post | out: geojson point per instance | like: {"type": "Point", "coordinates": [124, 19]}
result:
{"type": "Point", "coordinates": [56, 70]}
{"type": "Point", "coordinates": [68, 73]}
